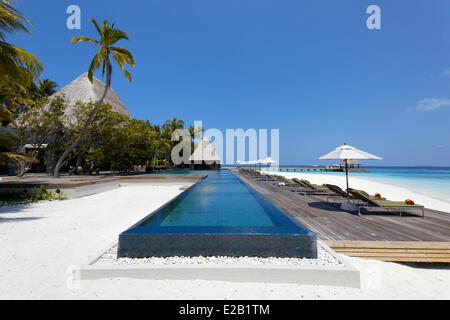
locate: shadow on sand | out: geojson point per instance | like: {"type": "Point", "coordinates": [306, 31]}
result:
{"type": "Point", "coordinates": [3, 220]}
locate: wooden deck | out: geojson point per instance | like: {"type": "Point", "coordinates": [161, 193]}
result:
{"type": "Point", "coordinates": [80, 186]}
{"type": "Point", "coordinates": [80, 181]}
{"type": "Point", "coordinates": [402, 251]}
{"type": "Point", "coordinates": [361, 236]}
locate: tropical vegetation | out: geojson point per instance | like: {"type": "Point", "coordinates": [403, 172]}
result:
{"type": "Point", "coordinates": [109, 35]}
{"type": "Point", "coordinates": [42, 132]}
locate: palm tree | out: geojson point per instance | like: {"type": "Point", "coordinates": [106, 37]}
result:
{"type": "Point", "coordinates": [46, 88]}
{"type": "Point", "coordinates": [14, 61]}
{"type": "Point", "coordinates": [194, 132]}
{"type": "Point", "coordinates": [109, 35]}
{"type": "Point", "coordinates": [169, 128]}
{"type": "Point", "coordinates": [9, 139]}
{"type": "Point", "coordinates": [171, 125]}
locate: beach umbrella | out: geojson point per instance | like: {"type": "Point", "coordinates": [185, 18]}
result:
{"type": "Point", "coordinates": [348, 153]}
{"type": "Point", "coordinates": [258, 162]}
{"type": "Point", "coordinates": [269, 161]}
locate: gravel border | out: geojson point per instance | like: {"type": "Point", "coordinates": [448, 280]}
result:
{"type": "Point", "coordinates": [324, 259]}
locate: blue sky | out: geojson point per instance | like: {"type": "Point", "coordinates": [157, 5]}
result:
{"type": "Point", "coordinates": [309, 68]}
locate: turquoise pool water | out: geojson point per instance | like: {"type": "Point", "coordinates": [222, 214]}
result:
{"type": "Point", "coordinates": [219, 200]}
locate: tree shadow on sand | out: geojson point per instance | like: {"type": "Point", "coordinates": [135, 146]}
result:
{"type": "Point", "coordinates": [3, 220]}
{"type": "Point", "coordinates": [15, 208]}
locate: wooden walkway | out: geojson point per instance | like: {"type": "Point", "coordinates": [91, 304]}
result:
{"type": "Point", "coordinates": [80, 181]}
{"type": "Point", "coordinates": [358, 235]}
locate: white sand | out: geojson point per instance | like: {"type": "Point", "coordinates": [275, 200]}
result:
{"type": "Point", "coordinates": [388, 191]}
{"type": "Point", "coordinates": [39, 243]}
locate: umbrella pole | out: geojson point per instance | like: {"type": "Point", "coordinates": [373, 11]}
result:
{"type": "Point", "coordinates": [346, 176]}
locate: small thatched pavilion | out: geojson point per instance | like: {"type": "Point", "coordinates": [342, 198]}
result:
{"type": "Point", "coordinates": [351, 163]}
{"type": "Point", "coordinates": [204, 156]}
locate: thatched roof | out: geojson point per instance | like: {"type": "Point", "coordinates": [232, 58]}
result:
{"type": "Point", "coordinates": [81, 89]}
{"type": "Point", "coordinates": [204, 152]}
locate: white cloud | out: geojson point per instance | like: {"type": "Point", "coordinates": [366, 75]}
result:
{"type": "Point", "coordinates": [430, 104]}
{"type": "Point", "coordinates": [439, 146]}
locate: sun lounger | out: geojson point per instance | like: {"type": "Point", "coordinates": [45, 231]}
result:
{"type": "Point", "coordinates": [369, 196]}
{"type": "Point", "coordinates": [312, 189]}
{"type": "Point", "coordinates": [309, 185]}
{"type": "Point", "coordinates": [372, 203]}
{"type": "Point", "coordinates": [338, 192]}
{"type": "Point", "coordinates": [287, 182]}
{"type": "Point", "coordinates": [265, 177]}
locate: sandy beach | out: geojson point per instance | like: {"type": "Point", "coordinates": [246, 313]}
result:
{"type": "Point", "coordinates": [371, 186]}
{"type": "Point", "coordinates": [40, 242]}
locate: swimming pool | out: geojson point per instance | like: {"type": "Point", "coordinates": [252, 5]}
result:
{"type": "Point", "coordinates": [219, 216]}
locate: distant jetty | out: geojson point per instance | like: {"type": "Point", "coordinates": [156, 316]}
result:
{"type": "Point", "coordinates": [318, 169]}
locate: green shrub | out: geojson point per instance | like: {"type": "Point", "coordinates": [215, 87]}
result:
{"type": "Point", "coordinates": [37, 194]}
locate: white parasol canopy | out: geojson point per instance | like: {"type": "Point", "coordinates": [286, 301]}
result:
{"type": "Point", "coordinates": [347, 153]}
{"type": "Point", "coordinates": [269, 160]}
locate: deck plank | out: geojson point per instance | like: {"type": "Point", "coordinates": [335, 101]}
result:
{"type": "Point", "coordinates": [406, 238]}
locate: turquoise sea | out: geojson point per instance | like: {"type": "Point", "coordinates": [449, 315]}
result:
{"type": "Point", "coordinates": [430, 181]}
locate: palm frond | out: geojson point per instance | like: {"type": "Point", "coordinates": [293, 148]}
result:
{"type": "Point", "coordinates": [117, 35]}
{"type": "Point", "coordinates": [97, 26]}
{"type": "Point", "coordinates": [11, 19]}
{"type": "Point", "coordinates": [13, 57]}
{"type": "Point", "coordinates": [6, 157]}
{"type": "Point", "coordinates": [95, 64]}
{"type": "Point", "coordinates": [77, 39]}
{"type": "Point", "coordinates": [126, 55]}
{"type": "Point", "coordinates": [7, 117]}
{"type": "Point", "coordinates": [109, 35]}
{"type": "Point", "coordinates": [127, 74]}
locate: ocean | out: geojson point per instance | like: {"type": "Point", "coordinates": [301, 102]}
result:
{"type": "Point", "coordinates": [430, 181]}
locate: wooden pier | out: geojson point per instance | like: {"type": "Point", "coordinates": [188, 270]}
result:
{"type": "Point", "coordinates": [375, 235]}
{"type": "Point", "coordinates": [316, 169]}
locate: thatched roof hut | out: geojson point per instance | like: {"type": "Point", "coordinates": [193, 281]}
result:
{"type": "Point", "coordinates": [205, 155]}
{"type": "Point", "coordinates": [83, 90]}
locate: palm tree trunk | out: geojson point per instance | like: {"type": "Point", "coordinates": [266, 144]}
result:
{"type": "Point", "coordinates": [84, 130]}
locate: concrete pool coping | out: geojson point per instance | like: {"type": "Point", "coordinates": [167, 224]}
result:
{"type": "Point", "coordinates": [342, 276]}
